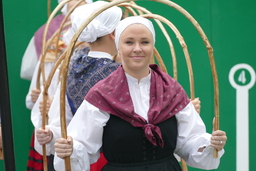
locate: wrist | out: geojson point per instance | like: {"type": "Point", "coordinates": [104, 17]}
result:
{"type": "Point", "coordinates": [51, 136]}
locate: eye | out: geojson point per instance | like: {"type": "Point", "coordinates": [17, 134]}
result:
{"type": "Point", "coordinates": [145, 42]}
{"type": "Point", "coordinates": [128, 42]}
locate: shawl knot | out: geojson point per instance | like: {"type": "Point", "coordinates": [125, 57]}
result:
{"type": "Point", "coordinates": [153, 134]}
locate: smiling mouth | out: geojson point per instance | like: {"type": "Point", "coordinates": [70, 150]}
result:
{"type": "Point", "coordinates": [137, 57]}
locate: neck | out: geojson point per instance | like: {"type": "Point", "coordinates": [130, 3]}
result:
{"type": "Point", "coordinates": [104, 44]}
{"type": "Point", "coordinates": [138, 74]}
{"type": "Point", "coordinates": [84, 44]}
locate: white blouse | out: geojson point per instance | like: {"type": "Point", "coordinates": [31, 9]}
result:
{"type": "Point", "coordinates": [47, 67]}
{"type": "Point", "coordinates": [86, 129]}
{"type": "Point", "coordinates": [53, 121]}
{"type": "Point", "coordinates": [54, 111]}
{"type": "Point", "coordinates": [29, 61]}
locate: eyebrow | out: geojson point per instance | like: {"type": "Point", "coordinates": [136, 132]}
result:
{"type": "Point", "coordinates": [141, 38]}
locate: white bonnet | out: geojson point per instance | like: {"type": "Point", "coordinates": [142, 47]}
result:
{"type": "Point", "coordinates": [133, 20]}
{"type": "Point", "coordinates": [64, 10]}
{"type": "Point", "coordinates": [105, 23]}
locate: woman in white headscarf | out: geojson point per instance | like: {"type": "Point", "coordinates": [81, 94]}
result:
{"type": "Point", "coordinates": [139, 115]}
{"type": "Point", "coordinates": [29, 70]}
{"type": "Point", "coordinates": [84, 71]}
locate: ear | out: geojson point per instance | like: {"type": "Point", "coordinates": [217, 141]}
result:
{"type": "Point", "coordinates": [112, 36]}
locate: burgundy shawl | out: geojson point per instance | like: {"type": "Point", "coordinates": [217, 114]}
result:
{"type": "Point", "coordinates": [167, 98]}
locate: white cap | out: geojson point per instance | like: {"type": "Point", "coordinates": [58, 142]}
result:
{"type": "Point", "coordinates": [133, 20]}
{"type": "Point", "coordinates": [105, 23]}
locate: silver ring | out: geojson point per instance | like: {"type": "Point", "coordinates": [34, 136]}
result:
{"type": "Point", "coordinates": [221, 142]}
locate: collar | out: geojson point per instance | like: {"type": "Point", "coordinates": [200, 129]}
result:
{"type": "Point", "coordinates": [98, 54]}
{"type": "Point", "coordinates": [135, 81]}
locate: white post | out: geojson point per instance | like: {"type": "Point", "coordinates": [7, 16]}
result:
{"type": "Point", "coordinates": [242, 113]}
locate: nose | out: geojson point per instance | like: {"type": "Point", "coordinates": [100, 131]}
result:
{"type": "Point", "coordinates": [137, 48]}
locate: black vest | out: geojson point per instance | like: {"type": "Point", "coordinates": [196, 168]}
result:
{"type": "Point", "coordinates": [125, 145]}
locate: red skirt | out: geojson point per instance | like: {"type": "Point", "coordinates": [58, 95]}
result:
{"type": "Point", "coordinates": [35, 160]}
{"type": "Point", "coordinates": [99, 164]}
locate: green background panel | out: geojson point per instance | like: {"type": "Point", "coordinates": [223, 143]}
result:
{"type": "Point", "coordinates": [229, 25]}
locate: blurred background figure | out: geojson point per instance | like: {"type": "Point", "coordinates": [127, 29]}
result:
{"type": "Point", "coordinates": [29, 71]}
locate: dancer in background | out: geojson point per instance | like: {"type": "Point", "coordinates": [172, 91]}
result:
{"type": "Point", "coordinates": [29, 67]}
{"type": "Point", "coordinates": [84, 71]}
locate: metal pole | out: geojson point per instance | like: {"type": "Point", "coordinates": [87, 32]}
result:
{"type": "Point", "coordinates": [5, 110]}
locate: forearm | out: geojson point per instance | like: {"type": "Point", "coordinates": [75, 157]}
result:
{"type": "Point", "coordinates": [193, 142]}
{"type": "Point", "coordinates": [80, 159]}
{"type": "Point", "coordinates": [39, 148]}
{"type": "Point", "coordinates": [198, 153]}
{"type": "Point", "coordinates": [87, 139]}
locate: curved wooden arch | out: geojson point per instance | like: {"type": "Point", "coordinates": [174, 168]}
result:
{"type": "Point", "coordinates": [65, 20]}
{"type": "Point", "coordinates": [45, 34]}
{"type": "Point", "coordinates": [117, 2]}
{"type": "Point", "coordinates": [48, 8]}
{"type": "Point", "coordinates": [183, 45]}
{"type": "Point", "coordinates": [48, 43]}
{"type": "Point", "coordinates": [41, 71]}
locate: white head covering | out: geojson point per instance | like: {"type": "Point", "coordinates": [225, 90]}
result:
{"type": "Point", "coordinates": [133, 20]}
{"type": "Point", "coordinates": [105, 23]}
{"type": "Point", "coordinates": [64, 10]}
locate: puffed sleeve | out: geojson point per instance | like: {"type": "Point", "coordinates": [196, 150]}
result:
{"type": "Point", "coordinates": [48, 67]}
{"type": "Point", "coordinates": [86, 129]}
{"type": "Point", "coordinates": [53, 88]}
{"type": "Point", "coordinates": [53, 121]}
{"type": "Point", "coordinates": [192, 136]}
{"type": "Point", "coordinates": [29, 103]}
{"type": "Point", "coordinates": [29, 61]}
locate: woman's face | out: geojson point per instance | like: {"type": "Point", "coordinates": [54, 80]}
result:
{"type": "Point", "coordinates": [136, 47]}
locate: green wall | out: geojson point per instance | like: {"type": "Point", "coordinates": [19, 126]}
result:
{"type": "Point", "coordinates": [21, 19]}
{"type": "Point", "coordinates": [229, 26]}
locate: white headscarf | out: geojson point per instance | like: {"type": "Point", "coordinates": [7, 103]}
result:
{"type": "Point", "coordinates": [64, 10]}
{"type": "Point", "coordinates": [105, 23]}
{"type": "Point", "coordinates": [133, 20]}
